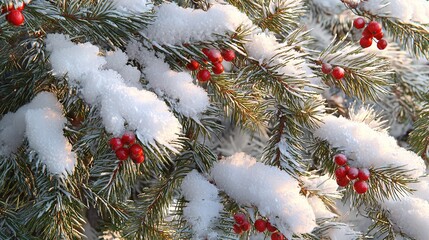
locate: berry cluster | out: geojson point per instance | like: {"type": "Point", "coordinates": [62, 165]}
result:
{"type": "Point", "coordinates": [127, 147]}
{"type": "Point", "coordinates": [345, 174]}
{"type": "Point", "coordinates": [336, 72]}
{"type": "Point", "coordinates": [373, 30]}
{"type": "Point", "coordinates": [216, 57]}
{"type": "Point", "coordinates": [14, 13]}
{"type": "Point", "coordinates": [242, 225]}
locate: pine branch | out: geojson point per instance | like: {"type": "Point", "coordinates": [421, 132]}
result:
{"type": "Point", "coordinates": [419, 136]}
{"type": "Point", "coordinates": [365, 74]}
{"type": "Point", "coordinates": [243, 107]}
{"type": "Point", "coordinates": [93, 21]}
{"type": "Point", "coordinates": [154, 202]}
{"type": "Point", "coordinates": [56, 212]}
{"type": "Point", "coordinates": [278, 16]}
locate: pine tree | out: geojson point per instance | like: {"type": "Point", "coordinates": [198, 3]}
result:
{"type": "Point", "coordinates": [236, 119]}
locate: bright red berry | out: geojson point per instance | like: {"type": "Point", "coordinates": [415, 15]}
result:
{"type": "Point", "coordinates": [347, 167]}
{"type": "Point", "coordinates": [366, 33]}
{"type": "Point", "coordinates": [237, 229]}
{"type": "Point", "coordinates": [359, 23]}
{"type": "Point", "coordinates": [115, 143]}
{"type": "Point", "coordinates": [365, 42]}
{"type": "Point", "coordinates": [128, 138]}
{"type": "Point", "coordinates": [228, 55]}
{"type": "Point", "coordinates": [379, 35]}
{"type": "Point", "coordinates": [245, 226]}
{"type": "Point", "coordinates": [352, 173]}
{"type": "Point", "coordinates": [338, 72]}
{"type": "Point", "coordinates": [340, 159]}
{"type": "Point", "coordinates": [270, 227]}
{"type": "Point", "coordinates": [363, 174]}
{"type": "Point", "coordinates": [217, 68]}
{"type": "Point", "coordinates": [136, 150]}
{"type": "Point", "coordinates": [382, 44]}
{"type": "Point", "coordinates": [342, 182]}
{"type": "Point", "coordinates": [277, 236]}
{"type": "Point", "coordinates": [326, 68]}
{"type": "Point", "coordinates": [341, 172]}
{"type": "Point", "coordinates": [205, 51]}
{"type": "Point", "coordinates": [15, 17]}
{"type": "Point", "coordinates": [260, 225]}
{"type": "Point", "coordinates": [214, 56]}
{"type": "Point", "coordinates": [203, 75]}
{"type": "Point", "coordinates": [239, 218]}
{"type": "Point", "coordinates": [122, 153]}
{"type": "Point", "coordinates": [192, 65]}
{"type": "Point", "coordinates": [374, 27]}
{"type": "Point", "coordinates": [360, 186]}
{"type": "Point", "coordinates": [138, 159]}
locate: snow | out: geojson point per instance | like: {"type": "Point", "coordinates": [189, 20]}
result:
{"type": "Point", "coordinates": [407, 11]}
{"type": "Point", "coordinates": [366, 147]}
{"type": "Point", "coordinates": [323, 185]}
{"type": "Point", "coordinates": [44, 130]}
{"type": "Point", "coordinates": [42, 122]}
{"type": "Point", "coordinates": [275, 193]}
{"type": "Point", "coordinates": [192, 99]}
{"type": "Point", "coordinates": [204, 205]}
{"type": "Point", "coordinates": [12, 125]}
{"type": "Point", "coordinates": [117, 60]}
{"type": "Point", "coordinates": [342, 232]}
{"type": "Point", "coordinates": [319, 208]}
{"type": "Point", "coordinates": [119, 101]}
{"type": "Point", "coordinates": [410, 215]}
{"type": "Point", "coordinates": [132, 6]}
{"type": "Point", "coordinates": [175, 25]}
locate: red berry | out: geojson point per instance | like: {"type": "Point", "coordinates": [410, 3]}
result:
{"type": "Point", "coordinates": [115, 143]}
{"type": "Point", "coordinates": [379, 35]}
{"type": "Point", "coordinates": [15, 17]}
{"type": "Point", "coordinates": [365, 42]}
{"type": "Point", "coordinates": [214, 56]}
{"type": "Point", "coordinates": [260, 225]}
{"type": "Point", "coordinates": [382, 44]}
{"type": "Point", "coordinates": [203, 75]}
{"type": "Point", "coordinates": [136, 150]}
{"type": "Point", "coordinates": [193, 65]}
{"type": "Point", "coordinates": [340, 159]}
{"type": "Point", "coordinates": [228, 55]}
{"type": "Point", "coordinates": [359, 23]}
{"type": "Point", "coordinates": [326, 68]}
{"type": "Point", "coordinates": [138, 159]}
{"type": "Point", "coordinates": [360, 187]}
{"type": "Point", "coordinates": [277, 236]}
{"type": "Point", "coordinates": [352, 173]}
{"type": "Point", "coordinates": [342, 182]}
{"type": "Point", "coordinates": [366, 33]}
{"type": "Point", "coordinates": [217, 68]}
{"type": "Point", "coordinates": [363, 174]}
{"type": "Point", "coordinates": [237, 229]}
{"type": "Point", "coordinates": [338, 72]}
{"type": "Point", "coordinates": [245, 226]}
{"type": "Point", "coordinates": [374, 27]}
{"type": "Point", "coordinates": [122, 153]}
{"type": "Point", "coordinates": [341, 172]}
{"type": "Point", "coordinates": [128, 138]}
{"type": "Point", "coordinates": [205, 51]}
{"type": "Point", "coordinates": [239, 218]}
{"type": "Point", "coordinates": [270, 227]}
